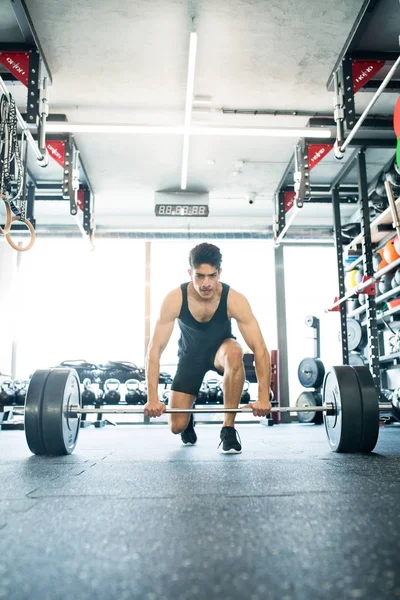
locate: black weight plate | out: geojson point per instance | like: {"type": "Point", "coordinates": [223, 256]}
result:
{"type": "Point", "coordinates": [60, 431]}
{"type": "Point", "coordinates": [355, 335]}
{"type": "Point", "coordinates": [311, 372]}
{"type": "Point", "coordinates": [370, 409]}
{"type": "Point", "coordinates": [310, 399]}
{"type": "Point", "coordinates": [33, 411]}
{"type": "Point", "coordinates": [344, 428]}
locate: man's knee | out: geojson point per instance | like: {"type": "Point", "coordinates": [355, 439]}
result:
{"type": "Point", "coordinates": [178, 424]}
{"type": "Point", "coordinates": [234, 357]}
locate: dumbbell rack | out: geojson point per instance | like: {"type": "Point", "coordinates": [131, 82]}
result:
{"type": "Point", "coordinates": [8, 420]}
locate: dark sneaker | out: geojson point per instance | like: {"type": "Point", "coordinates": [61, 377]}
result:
{"type": "Point", "coordinates": [230, 440]}
{"type": "Point", "coordinates": [189, 437]}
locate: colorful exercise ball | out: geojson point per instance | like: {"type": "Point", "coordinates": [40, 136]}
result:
{"type": "Point", "coordinates": [390, 253]}
{"type": "Point", "coordinates": [382, 264]}
{"type": "Point", "coordinates": [350, 280]}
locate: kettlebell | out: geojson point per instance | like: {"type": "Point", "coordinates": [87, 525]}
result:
{"type": "Point", "coordinates": [220, 393]}
{"type": "Point", "coordinates": [143, 392]}
{"type": "Point", "coordinates": [212, 391]}
{"type": "Point", "coordinates": [88, 395]}
{"type": "Point", "coordinates": [132, 395]}
{"type": "Point", "coordinates": [202, 395]}
{"type": "Point", "coordinates": [245, 398]}
{"type": "Point", "coordinates": [7, 394]}
{"type": "Point", "coordinates": [20, 389]}
{"type": "Point", "coordinates": [99, 398]}
{"type": "Point", "coordinates": [112, 395]}
{"type": "Point", "coordinates": [165, 396]}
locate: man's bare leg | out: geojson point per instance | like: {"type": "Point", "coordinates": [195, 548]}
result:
{"type": "Point", "coordinates": [229, 359]}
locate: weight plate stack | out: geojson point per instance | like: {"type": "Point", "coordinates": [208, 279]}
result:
{"type": "Point", "coordinates": [344, 427]}
{"type": "Point", "coordinates": [50, 425]}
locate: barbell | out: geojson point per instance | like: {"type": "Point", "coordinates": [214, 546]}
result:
{"type": "Point", "coordinates": [351, 408]}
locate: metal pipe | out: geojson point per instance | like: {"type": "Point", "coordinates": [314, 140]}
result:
{"type": "Point", "coordinates": [361, 286]}
{"type": "Point", "coordinates": [288, 224]}
{"type": "Point", "coordinates": [43, 159]}
{"type": "Point", "coordinates": [370, 105]}
{"type": "Point", "coordinates": [44, 113]}
{"type": "Point", "coordinates": [338, 109]}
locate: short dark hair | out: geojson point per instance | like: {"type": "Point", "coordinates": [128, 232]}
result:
{"type": "Point", "coordinates": [205, 254]}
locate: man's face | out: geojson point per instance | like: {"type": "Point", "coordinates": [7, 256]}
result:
{"type": "Point", "coordinates": [205, 280]}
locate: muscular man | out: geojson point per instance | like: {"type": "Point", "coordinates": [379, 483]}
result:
{"type": "Point", "coordinates": [204, 308]}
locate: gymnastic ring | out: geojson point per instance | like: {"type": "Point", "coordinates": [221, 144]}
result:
{"type": "Point", "coordinates": [31, 241]}
{"type": "Point", "coordinates": [4, 230]}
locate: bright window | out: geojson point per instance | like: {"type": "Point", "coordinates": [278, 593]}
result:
{"type": "Point", "coordinates": [75, 303]}
{"type": "Point", "coordinates": [311, 285]}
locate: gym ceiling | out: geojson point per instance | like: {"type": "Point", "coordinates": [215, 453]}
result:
{"type": "Point", "coordinates": [126, 63]}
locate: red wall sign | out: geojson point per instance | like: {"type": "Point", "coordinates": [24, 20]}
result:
{"type": "Point", "coordinates": [56, 149]}
{"type": "Point", "coordinates": [17, 63]}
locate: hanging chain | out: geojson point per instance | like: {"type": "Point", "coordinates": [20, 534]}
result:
{"type": "Point", "coordinates": [11, 167]}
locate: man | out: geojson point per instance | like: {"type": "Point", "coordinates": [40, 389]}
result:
{"type": "Point", "coordinates": [204, 308]}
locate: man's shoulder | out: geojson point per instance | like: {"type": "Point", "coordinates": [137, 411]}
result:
{"type": "Point", "coordinates": [173, 301]}
{"type": "Point", "coordinates": [237, 302]}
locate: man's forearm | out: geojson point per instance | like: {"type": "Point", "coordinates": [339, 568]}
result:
{"type": "Point", "coordinates": [152, 375]}
{"type": "Point", "coordinates": [262, 364]}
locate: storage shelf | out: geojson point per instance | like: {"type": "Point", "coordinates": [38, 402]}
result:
{"type": "Point", "coordinates": [378, 300]}
{"type": "Point", "coordinates": [384, 218]}
{"type": "Point", "coordinates": [387, 313]}
{"type": "Point", "coordinates": [389, 357]}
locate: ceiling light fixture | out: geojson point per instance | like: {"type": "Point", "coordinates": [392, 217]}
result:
{"type": "Point", "coordinates": [188, 107]}
{"type": "Point", "coordinates": [304, 132]}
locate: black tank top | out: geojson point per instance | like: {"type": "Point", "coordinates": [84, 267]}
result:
{"type": "Point", "coordinates": [203, 338]}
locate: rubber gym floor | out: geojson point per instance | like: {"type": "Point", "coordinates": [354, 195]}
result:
{"type": "Point", "coordinates": [134, 514]}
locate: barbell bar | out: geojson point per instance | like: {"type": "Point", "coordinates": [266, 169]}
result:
{"type": "Point", "coordinates": [350, 410]}
{"type": "Point", "coordinates": [74, 411]}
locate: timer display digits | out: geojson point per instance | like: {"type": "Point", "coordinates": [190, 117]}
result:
{"type": "Point", "coordinates": [181, 210]}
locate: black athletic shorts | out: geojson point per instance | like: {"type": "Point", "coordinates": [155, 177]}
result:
{"type": "Point", "coordinates": [190, 373]}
